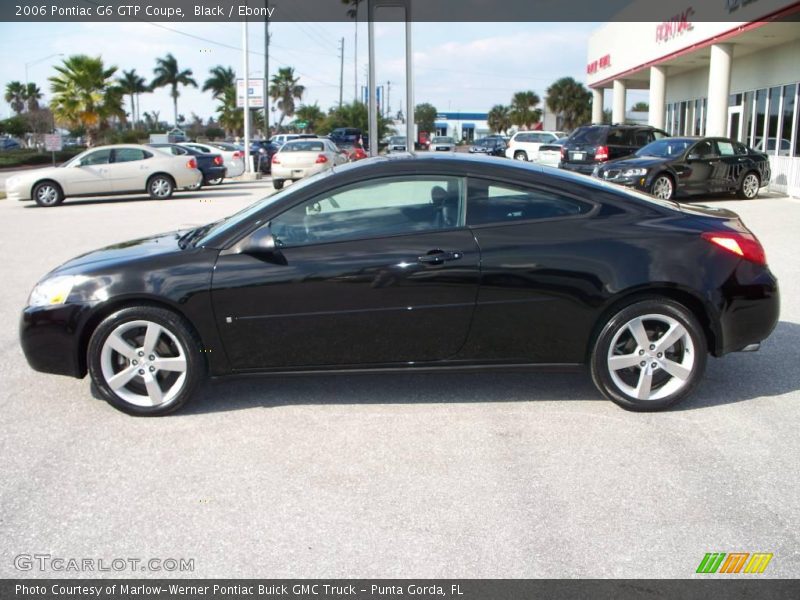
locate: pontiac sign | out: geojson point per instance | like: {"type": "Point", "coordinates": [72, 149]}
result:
{"type": "Point", "coordinates": [676, 26]}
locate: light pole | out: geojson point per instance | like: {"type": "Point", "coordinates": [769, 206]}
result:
{"type": "Point", "coordinates": [245, 67]}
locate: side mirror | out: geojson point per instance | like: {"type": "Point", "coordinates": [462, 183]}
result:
{"type": "Point", "coordinates": [259, 243]}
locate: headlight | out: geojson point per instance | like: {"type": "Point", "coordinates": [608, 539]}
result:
{"type": "Point", "coordinates": [54, 291]}
{"type": "Point", "coordinates": [634, 173]}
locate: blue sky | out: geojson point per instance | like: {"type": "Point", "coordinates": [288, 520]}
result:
{"type": "Point", "coordinates": [458, 66]}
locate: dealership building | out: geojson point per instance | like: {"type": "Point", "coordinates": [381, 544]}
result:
{"type": "Point", "coordinates": [708, 74]}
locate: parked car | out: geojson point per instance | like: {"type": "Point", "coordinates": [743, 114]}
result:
{"type": "Point", "coordinates": [107, 170]}
{"type": "Point", "coordinates": [550, 154]}
{"type": "Point", "coordinates": [262, 153]}
{"type": "Point", "coordinates": [397, 143]}
{"type": "Point", "coordinates": [590, 145]}
{"type": "Point", "coordinates": [210, 165]}
{"type": "Point", "coordinates": [442, 143]}
{"type": "Point", "coordinates": [772, 143]}
{"type": "Point", "coordinates": [417, 262]}
{"type": "Point", "coordinates": [233, 157]}
{"type": "Point", "coordinates": [346, 136]}
{"type": "Point", "coordinates": [231, 154]}
{"type": "Point", "coordinates": [175, 136]}
{"type": "Point", "coordinates": [689, 165]}
{"type": "Point", "coordinates": [9, 143]}
{"type": "Point", "coordinates": [301, 158]}
{"type": "Point", "coordinates": [492, 146]}
{"type": "Point", "coordinates": [524, 145]}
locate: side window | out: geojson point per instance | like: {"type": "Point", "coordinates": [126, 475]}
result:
{"type": "Point", "coordinates": [725, 148]}
{"type": "Point", "coordinates": [704, 148]}
{"type": "Point", "coordinates": [500, 203]}
{"type": "Point", "coordinates": [372, 209]}
{"type": "Point", "coordinates": [616, 137]}
{"type": "Point", "coordinates": [128, 155]}
{"type": "Point", "coordinates": [642, 137]}
{"type": "Point", "coordinates": [99, 157]}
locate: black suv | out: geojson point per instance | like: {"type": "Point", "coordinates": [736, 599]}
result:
{"type": "Point", "coordinates": [591, 145]}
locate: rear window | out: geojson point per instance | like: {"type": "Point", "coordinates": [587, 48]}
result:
{"type": "Point", "coordinates": [303, 147]}
{"type": "Point", "coordinates": [588, 135]}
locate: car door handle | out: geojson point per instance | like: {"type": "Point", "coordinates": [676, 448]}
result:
{"type": "Point", "coordinates": [437, 257]}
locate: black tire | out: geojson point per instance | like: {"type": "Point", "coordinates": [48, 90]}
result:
{"type": "Point", "coordinates": [277, 184]}
{"type": "Point", "coordinates": [160, 187]}
{"type": "Point", "coordinates": [176, 340]}
{"type": "Point", "coordinates": [746, 190]}
{"type": "Point", "coordinates": [48, 193]}
{"type": "Point", "coordinates": [692, 346]}
{"type": "Point", "coordinates": [520, 155]}
{"type": "Point", "coordinates": [663, 182]}
{"type": "Point", "coordinates": [215, 181]}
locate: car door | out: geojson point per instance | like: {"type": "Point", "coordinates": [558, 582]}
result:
{"type": "Point", "coordinates": [380, 272]}
{"type": "Point", "coordinates": [539, 272]}
{"type": "Point", "coordinates": [734, 161]}
{"type": "Point", "coordinates": [89, 175]}
{"type": "Point", "coordinates": [129, 169]}
{"type": "Point", "coordinates": [702, 163]}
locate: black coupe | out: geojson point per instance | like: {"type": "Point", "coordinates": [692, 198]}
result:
{"type": "Point", "coordinates": [683, 166]}
{"type": "Point", "coordinates": [414, 263]}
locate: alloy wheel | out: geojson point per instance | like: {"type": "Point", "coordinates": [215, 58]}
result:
{"type": "Point", "coordinates": [750, 186]}
{"type": "Point", "coordinates": [160, 187]}
{"type": "Point", "coordinates": [651, 357]}
{"type": "Point", "coordinates": [662, 188]}
{"type": "Point", "coordinates": [47, 194]}
{"type": "Point", "coordinates": [144, 363]}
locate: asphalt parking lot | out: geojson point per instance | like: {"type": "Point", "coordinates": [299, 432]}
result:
{"type": "Point", "coordinates": [479, 475]}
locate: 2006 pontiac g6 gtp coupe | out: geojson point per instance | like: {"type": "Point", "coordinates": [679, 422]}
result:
{"type": "Point", "coordinates": [414, 263]}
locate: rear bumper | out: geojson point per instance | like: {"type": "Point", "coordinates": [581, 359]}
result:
{"type": "Point", "coordinates": [210, 173]}
{"type": "Point", "coordinates": [583, 169]}
{"type": "Point", "coordinates": [286, 173]}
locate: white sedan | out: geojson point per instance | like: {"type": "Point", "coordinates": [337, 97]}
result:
{"type": "Point", "coordinates": [233, 156]}
{"type": "Point", "coordinates": [300, 158]}
{"type": "Point", "coordinates": [106, 170]}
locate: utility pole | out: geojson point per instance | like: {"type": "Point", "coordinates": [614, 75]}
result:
{"type": "Point", "coordinates": [246, 108]}
{"type": "Point", "coordinates": [355, 56]}
{"type": "Point", "coordinates": [266, 72]}
{"type": "Point", "coordinates": [341, 71]}
{"type": "Point", "coordinates": [387, 107]}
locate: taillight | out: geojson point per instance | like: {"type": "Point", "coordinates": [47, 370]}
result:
{"type": "Point", "coordinates": [238, 154]}
{"type": "Point", "coordinates": [745, 245]}
{"type": "Point", "coordinates": [275, 160]}
{"type": "Point", "coordinates": [191, 164]}
{"type": "Point", "coordinates": [321, 159]}
{"type": "Point", "coordinates": [601, 153]}
{"type": "Point", "coordinates": [218, 160]}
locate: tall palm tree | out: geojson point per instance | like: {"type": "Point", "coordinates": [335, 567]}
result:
{"type": "Point", "coordinates": [32, 96]}
{"type": "Point", "coordinates": [230, 117]}
{"type": "Point", "coordinates": [571, 101]}
{"type": "Point", "coordinates": [15, 96]}
{"type": "Point", "coordinates": [499, 118]}
{"type": "Point", "coordinates": [285, 90]}
{"type": "Point", "coordinates": [310, 113]}
{"type": "Point", "coordinates": [168, 74]}
{"type": "Point", "coordinates": [523, 109]}
{"type": "Point", "coordinates": [85, 94]}
{"type": "Point", "coordinates": [221, 79]}
{"type": "Point", "coordinates": [132, 84]}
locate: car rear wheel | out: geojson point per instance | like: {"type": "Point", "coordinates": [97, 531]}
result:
{"type": "Point", "coordinates": [649, 355]}
{"type": "Point", "coordinates": [520, 155]}
{"type": "Point", "coordinates": [277, 184]}
{"type": "Point", "coordinates": [48, 193]}
{"type": "Point", "coordinates": [145, 361]}
{"type": "Point", "coordinates": [749, 187]}
{"type": "Point", "coordinates": [663, 187]}
{"type": "Point", "coordinates": [215, 181]}
{"type": "Point", "coordinates": [160, 187]}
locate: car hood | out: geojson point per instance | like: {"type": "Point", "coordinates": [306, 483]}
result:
{"type": "Point", "coordinates": [124, 252]}
{"type": "Point", "coordinates": [634, 162]}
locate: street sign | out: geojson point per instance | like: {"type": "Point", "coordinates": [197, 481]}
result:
{"type": "Point", "coordinates": [52, 142]}
{"type": "Point", "coordinates": [301, 124]}
{"type": "Point", "coordinates": [255, 93]}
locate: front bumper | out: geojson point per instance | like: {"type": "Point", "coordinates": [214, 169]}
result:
{"type": "Point", "coordinates": [50, 338]}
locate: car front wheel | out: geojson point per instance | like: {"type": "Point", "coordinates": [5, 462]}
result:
{"type": "Point", "coordinates": [277, 184]}
{"type": "Point", "coordinates": [663, 187]}
{"type": "Point", "coordinates": [48, 193]}
{"type": "Point", "coordinates": [520, 156]}
{"type": "Point", "coordinates": [145, 361]}
{"type": "Point", "coordinates": [649, 355]}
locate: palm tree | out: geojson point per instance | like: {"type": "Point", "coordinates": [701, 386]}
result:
{"type": "Point", "coordinates": [499, 118]}
{"type": "Point", "coordinates": [523, 109]}
{"type": "Point", "coordinates": [230, 117]}
{"type": "Point", "coordinates": [222, 78]}
{"type": "Point", "coordinates": [310, 113]}
{"type": "Point", "coordinates": [571, 101]}
{"type": "Point", "coordinates": [15, 96]}
{"type": "Point", "coordinates": [133, 84]}
{"type": "Point", "coordinates": [85, 94]}
{"type": "Point", "coordinates": [285, 90]}
{"type": "Point", "coordinates": [167, 73]}
{"type": "Point", "coordinates": [32, 96]}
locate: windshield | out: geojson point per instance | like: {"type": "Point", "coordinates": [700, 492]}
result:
{"type": "Point", "coordinates": [588, 135]}
{"type": "Point", "coordinates": [397, 140]}
{"type": "Point", "coordinates": [666, 148]}
{"type": "Point", "coordinates": [244, 215]}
